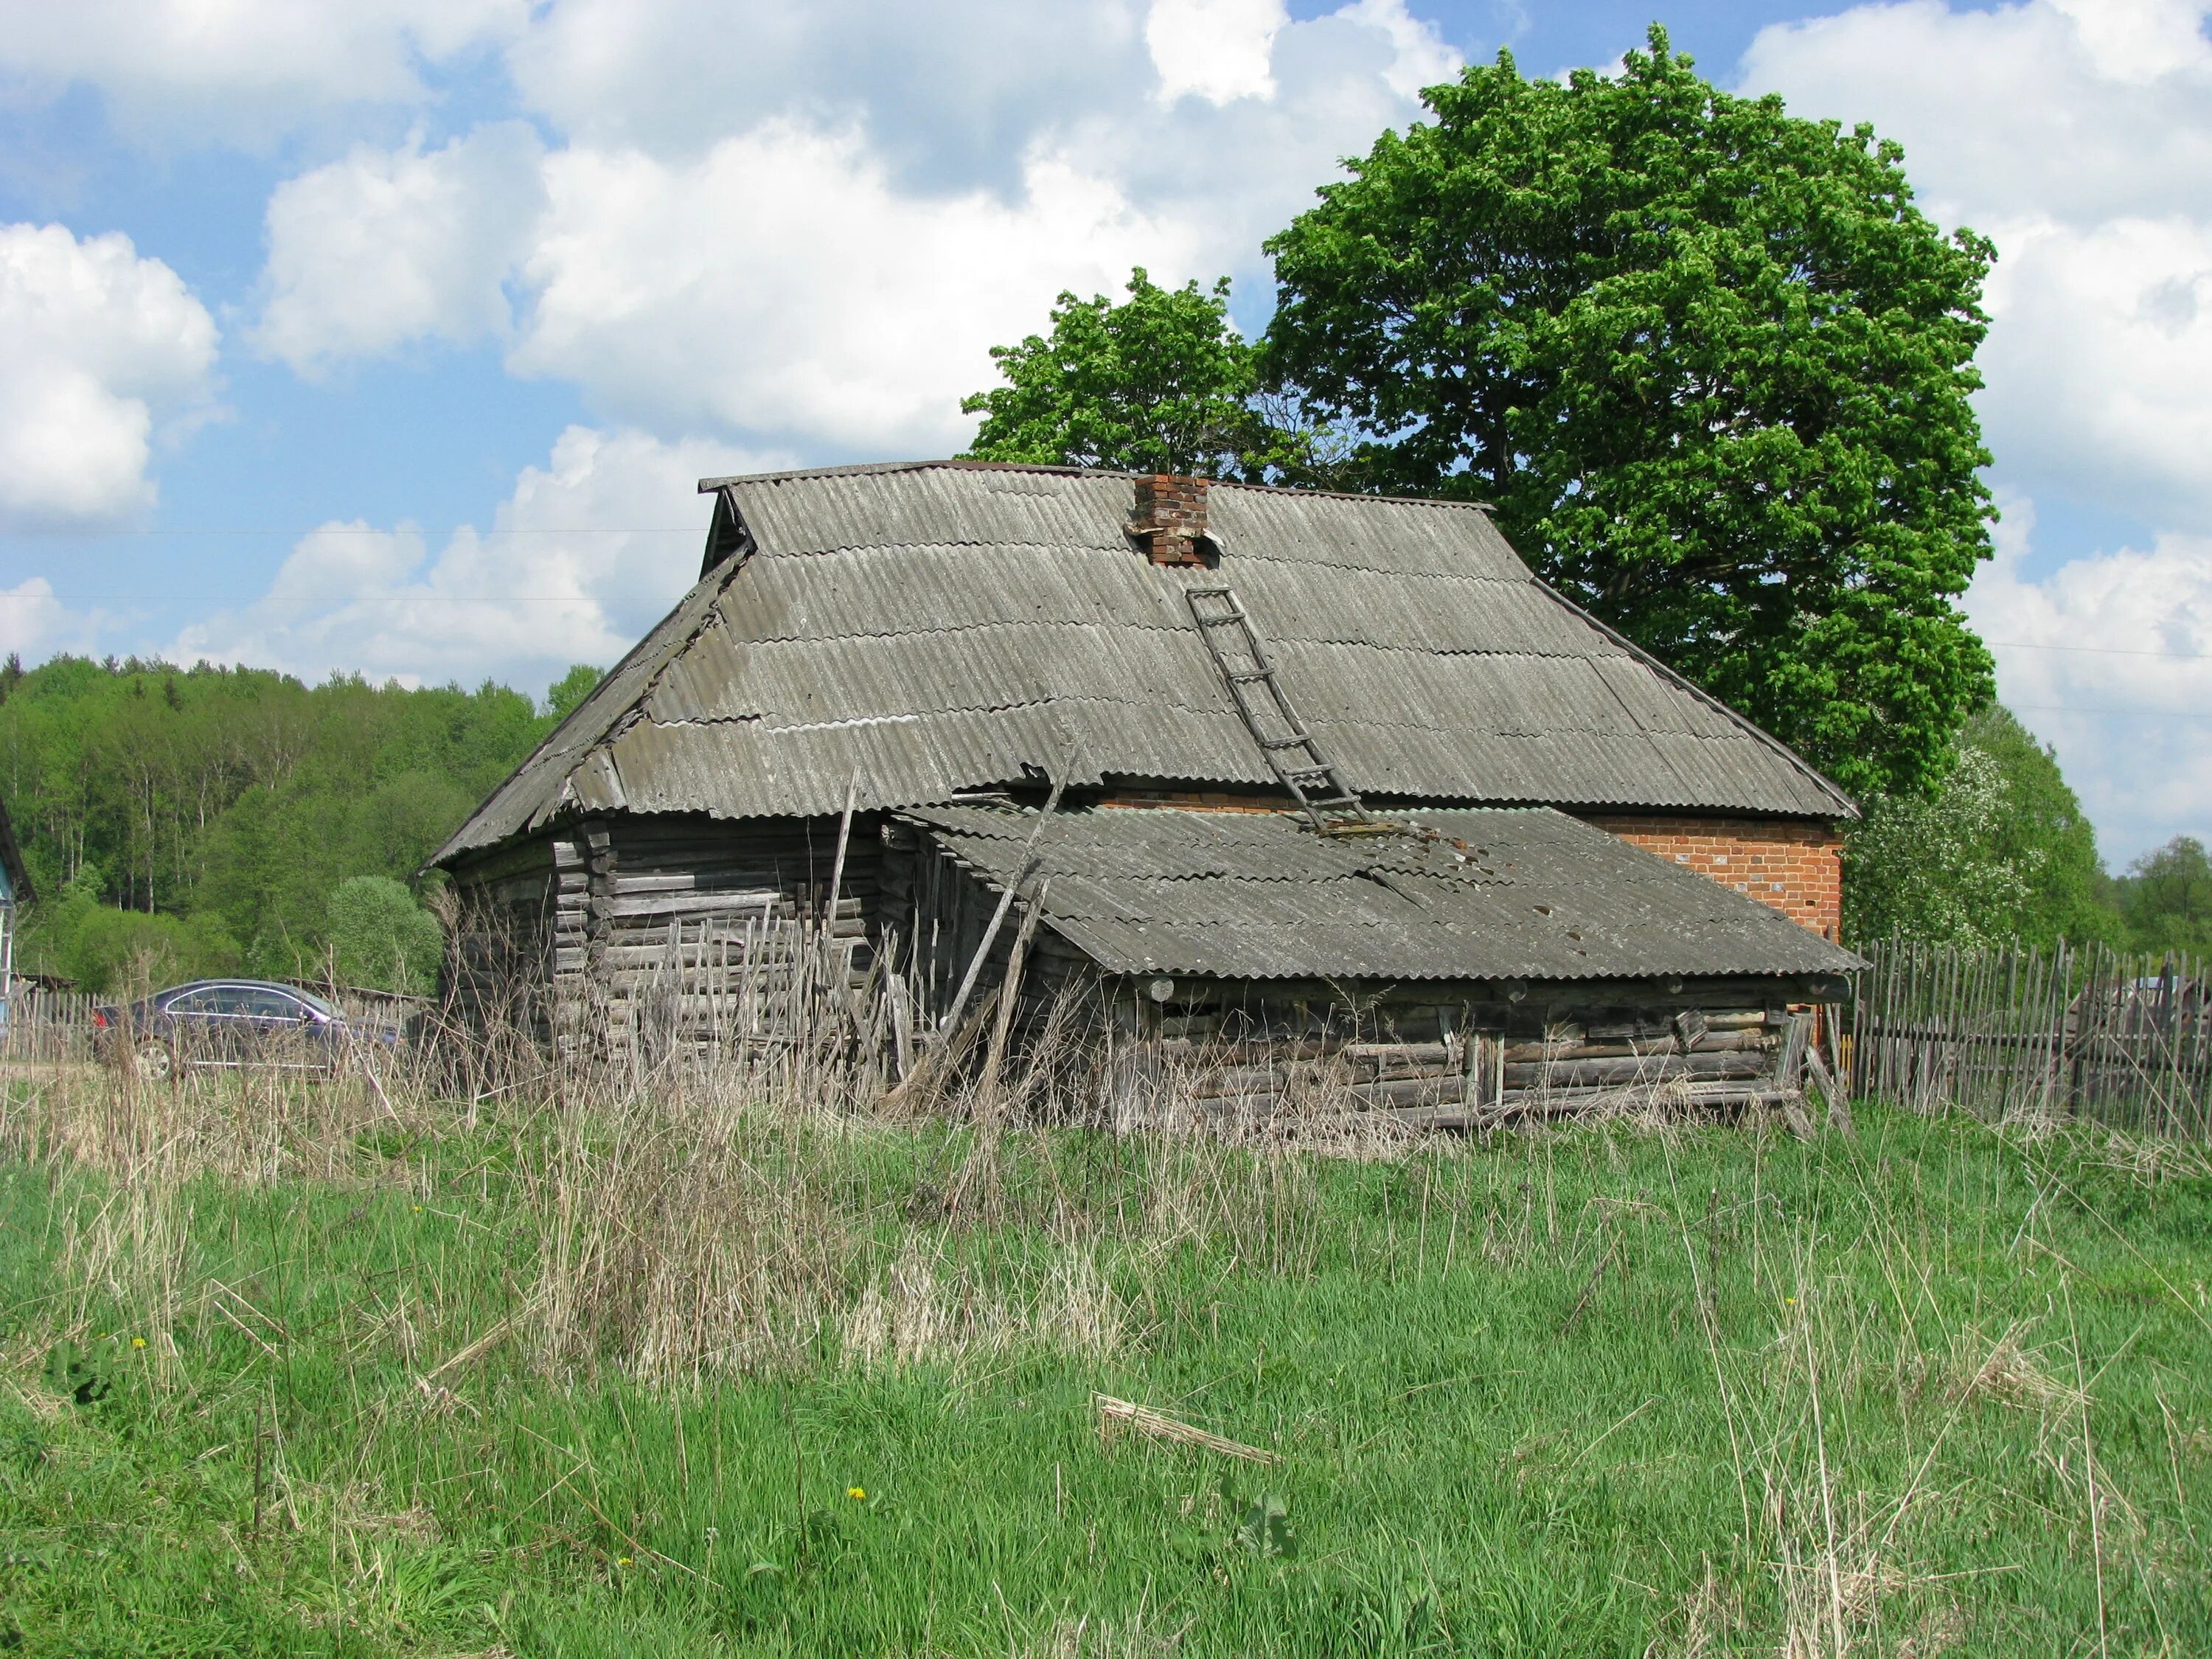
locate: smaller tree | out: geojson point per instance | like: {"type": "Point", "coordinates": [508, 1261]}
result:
{"type": "Point", "coordinates": [1160, 383]}
{"type": "Point", "coordinates": [2167, 897]}
{"type": "Point", "coordinates": [380, 939]}
{"type": "Point", "coordinates": [123, 953]}
{"type": "Point", "coordinates": [571, 689]}
{"type": "Point", "coordinates": [1929, 867]}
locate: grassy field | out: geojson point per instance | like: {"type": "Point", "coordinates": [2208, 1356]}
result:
{"type": "Point", "coordinates": [313, 1371]}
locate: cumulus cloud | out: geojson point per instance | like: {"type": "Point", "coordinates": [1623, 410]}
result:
{"type": "Point", "coordinates": [240, 71]}
{"type": "Point", "coordinates": [2080, 111]}
{"type": "Point", "coordinates": [950, 95]}
{"type": "Point", "coordinates": [781, 285]}
{"type": "Point", "coordinates": [1217, 49]}
{"type": "Point", "coordinates": [102, 348]}
{"type": "Point", "coordinates": [385, 247]}
{"type": "Point", "coordinates": [584, 555]}
{"type": "Point", "coordinates": [788, 277]}
{"type": "Point", "coordinates": [34, 622]}
{"type": "Point", "coordinates": [2100, 361]}
{"type": "Point", "coordinates": [2109, 658]}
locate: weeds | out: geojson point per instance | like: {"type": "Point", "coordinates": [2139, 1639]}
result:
{"type": "Point", "coordinates": [597, 1365]}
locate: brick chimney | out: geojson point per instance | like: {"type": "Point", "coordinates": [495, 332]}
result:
{"type": "Point", "coordinates": [1170, 518]}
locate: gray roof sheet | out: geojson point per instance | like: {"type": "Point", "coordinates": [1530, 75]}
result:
{"type": "Point", "coordinates": [936, 627]}
{"type": "Point", "coordinates": [1502, 893]}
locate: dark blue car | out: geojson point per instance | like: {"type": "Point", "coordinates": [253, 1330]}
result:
{"type": "Point", "coordinates": [234, 1022]}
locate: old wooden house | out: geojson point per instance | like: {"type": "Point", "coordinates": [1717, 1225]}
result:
{"type": "Point", "coordinates": [1267, 780]}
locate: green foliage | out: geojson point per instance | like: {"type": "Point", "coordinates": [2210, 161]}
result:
{"type": "Point", "coordinates": [2166, 898]}
{"type": "Point", "coordinates": [214, 810]}
{"type": "Point", "coordinates": [1999, 848]}
{"type": "Point", "coordinates": [1930, 866]}
{"type": "Point", "coordinates": [121, 953]}
{"type": "Point", "coordinates": [78, 1374]}
{"type": "Point", "coordinates": [1708, 361]}
{"type": "Point", "coordinates": [571, 689]}
{"type": "Point", "coordinates": [2043, 833]}
{"type": "Point", "coordinates": [380, 939]}
{"type": "Point", "coordinates": [1160, 383]}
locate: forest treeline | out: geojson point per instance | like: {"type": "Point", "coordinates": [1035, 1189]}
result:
{"type": "Point", "coordinates": [180, 821]}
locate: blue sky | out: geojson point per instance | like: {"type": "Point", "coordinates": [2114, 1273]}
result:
{"type": "Point", "coordinates": [389, 337]}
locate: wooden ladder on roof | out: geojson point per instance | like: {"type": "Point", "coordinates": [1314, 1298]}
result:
{"type": "Point", "coordinates": [1331, 805]}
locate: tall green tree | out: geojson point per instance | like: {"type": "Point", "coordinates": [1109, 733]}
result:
{"type": "Point", "coordinates": [1161, 382]}
{"type": "Point", "coordinates": [2044, 832]}
{"type": "Point", "coordinates": [1708, 361]}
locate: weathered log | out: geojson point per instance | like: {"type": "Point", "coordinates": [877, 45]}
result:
{"type": "Point", "coordinates": [1658, 1068]}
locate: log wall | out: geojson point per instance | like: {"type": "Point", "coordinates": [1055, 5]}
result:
{"type": "Point", "coordinates": [646, 936]}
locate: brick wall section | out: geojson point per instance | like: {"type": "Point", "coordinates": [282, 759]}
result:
{"type": "Point", "coordinates": [1794, 865]}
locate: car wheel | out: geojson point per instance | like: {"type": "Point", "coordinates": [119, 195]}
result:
{"type": "Point", "coordinates": [155, 1062]}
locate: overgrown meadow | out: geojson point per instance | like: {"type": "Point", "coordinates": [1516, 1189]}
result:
{"type": "Point", "coordinates": [349, 1368]}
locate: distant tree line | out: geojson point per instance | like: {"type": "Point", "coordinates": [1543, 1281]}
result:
{"type": "Point", "coordinates": [186, 821]}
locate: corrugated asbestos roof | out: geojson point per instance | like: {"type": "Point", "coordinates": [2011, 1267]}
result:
{"type": "Point", "coordinates": [944, 626]}
{"type": "Point", "coordinates": [1504, 893]}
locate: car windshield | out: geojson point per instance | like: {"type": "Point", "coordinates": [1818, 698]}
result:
{"type": "Point", "coordinates": [314, 1002]}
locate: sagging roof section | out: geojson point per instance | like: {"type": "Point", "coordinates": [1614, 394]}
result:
{"type": "Point", "coordinates": [935, 626]}
{"type": "Point", "coordinates": [1500, 893]}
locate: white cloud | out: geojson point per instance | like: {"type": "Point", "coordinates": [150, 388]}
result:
{"type": "Point", "coordinates": [786, 281]}
{"type": "Point", "coordinates": [2140, 41]}
{"type": "Point", "coordinates": [34, 623]}
{"type": "Point", "coordinates": [752, 262]}
{"type": "Point", "coordinates": [2099, 362]}
{"type": "Point", "coordinates": [948, 93]}
{"type": "Point", "coordinates": [1419, 57]}
{"type": "Point", "coordinates": [238, 70]}
{"type": "Point", "coordinates": [781, 285]}
{"type": "Point", "coordinates": [385, 247]}
{"type": "Point", "coordinates": [101, 347]}
{"type": "Point", "coordinates": [1217, 49]}
{"type": "Point", "coordinates": [2099, 108]}
{"type": "Point", "coordinates": [2109, 658]}
{"type": "Point", "coordinates": [584, 555]}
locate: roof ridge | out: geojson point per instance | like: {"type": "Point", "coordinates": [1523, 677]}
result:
{"type": "Point", "coordinates": [963, 463]}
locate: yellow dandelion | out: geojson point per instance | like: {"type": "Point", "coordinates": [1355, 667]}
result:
{"type": "Point", "coordinates": [858, 1494]}
{"type": "Point", "coordinates": [418, 1209]}
{"type": "Point", "coordinates": [622, 1561]}
{"type": "Point", "coordinates": [137, 1341]}
{"type": "Point", "coordinates": [1789, 1301]}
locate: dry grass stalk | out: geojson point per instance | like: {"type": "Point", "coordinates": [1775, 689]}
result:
{"type": "Point", "coordinates": [920, 1313]}
{"type": "Point", "coordinates": [2010, 1375]}
{"type": "Point", "coordinates": [1115, 1415]}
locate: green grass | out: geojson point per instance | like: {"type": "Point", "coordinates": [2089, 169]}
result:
{"type": "Point", "coordinates": [1605, 1391]}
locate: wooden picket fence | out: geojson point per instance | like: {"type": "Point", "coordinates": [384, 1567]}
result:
{"type": "Point", "coordinates": [2018, 1032]}
{"type": "Point", "coordinates": [47, 1025]}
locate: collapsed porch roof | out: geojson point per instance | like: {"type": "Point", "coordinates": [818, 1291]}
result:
{"type": "Point", "coordinates": [1500, 893]}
